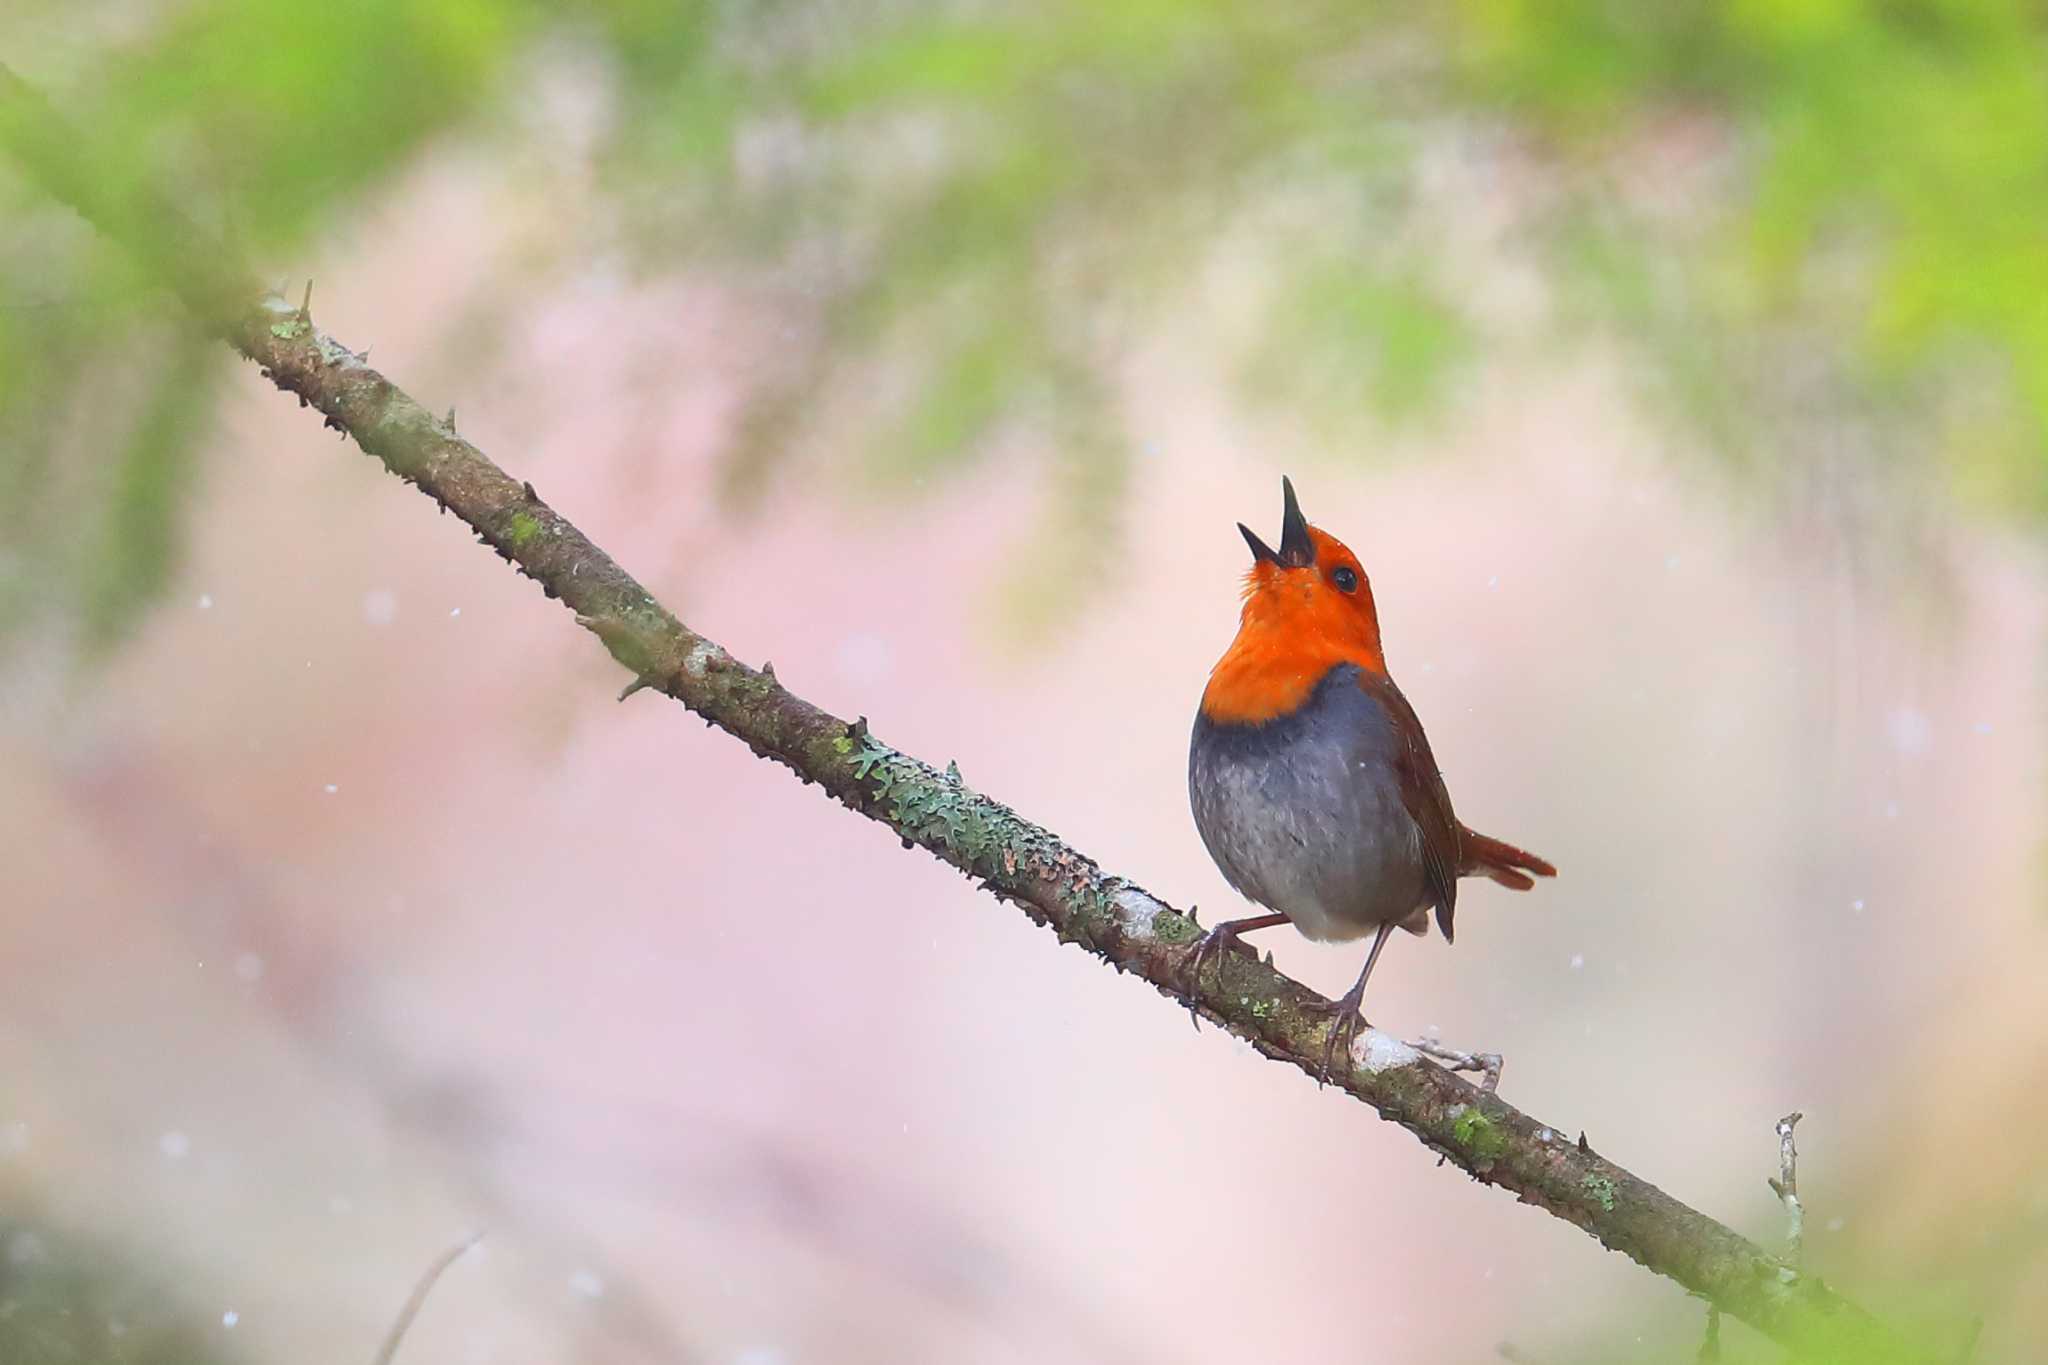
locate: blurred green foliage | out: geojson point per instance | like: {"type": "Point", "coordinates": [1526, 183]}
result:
{"type": "Point", "coordinates": [63, 1302]}
{"type": "Point", "coordinates": [1814, 222]}
{"type": "Point", "coordinates": [1873, 234]}
{"type": "Point", "coordinates": [266, 121]}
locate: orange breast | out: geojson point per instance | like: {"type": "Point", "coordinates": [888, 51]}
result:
{"type": "Point", "coordinates": [1265, 674]}
{"type": "Point", "coordinates": [1297, 624]}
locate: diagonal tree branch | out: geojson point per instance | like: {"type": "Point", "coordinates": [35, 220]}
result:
{"type": "Point", "coordinates": [1014, 859]}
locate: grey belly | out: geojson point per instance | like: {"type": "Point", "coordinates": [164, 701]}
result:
{"type": "Point", "coordinates": [1304, 816]}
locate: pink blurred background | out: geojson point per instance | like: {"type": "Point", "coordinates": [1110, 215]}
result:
{"type": "Point", "coordinates": [350, 916]}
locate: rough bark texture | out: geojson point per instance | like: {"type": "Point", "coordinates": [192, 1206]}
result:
{"type": "Point", "coordinates": [1017, 861]}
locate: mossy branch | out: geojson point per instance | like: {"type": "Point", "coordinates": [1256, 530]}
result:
{"type": "Point", "coordinates": [1009, 856]}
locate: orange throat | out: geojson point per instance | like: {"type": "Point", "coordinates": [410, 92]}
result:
{"type": "Point", "coordinates": [1300, 620]}
{"type": "Point", "coordinates": [1260, 678]}
{"type": "Point", "coordinates": [1278, 658]}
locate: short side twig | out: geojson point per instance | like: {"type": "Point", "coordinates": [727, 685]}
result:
{"type": "Point", "coordinates": [1710, 1347]}
{"type": "Point", "coordinates": [1786, 1187]}
{"type": "Point", "coordinates": [411, 1310]}
{"type": "Point", "coordinates": [1487, 1064]}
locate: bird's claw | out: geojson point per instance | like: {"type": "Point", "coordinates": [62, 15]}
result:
{"type": "Point", "coordinates": [1349, 1018]}
{"type": "Point", "coordinates": [1219, 939]}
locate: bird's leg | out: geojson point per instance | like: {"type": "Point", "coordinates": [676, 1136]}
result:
{"type": "Point", "coordinates": [1348, 1007]}
{"type": "Point", "coordinates": [1208, 945]}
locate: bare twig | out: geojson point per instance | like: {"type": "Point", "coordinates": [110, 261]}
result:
{"type": "Point", "coordinates": [411, 1310]}
{"type": "Point", "coordinates": [1488, 1064]}
{"type": "Point", "coordinates": [1710, 1347]}
{"type": "Point", "coordinates": [1020, 862]}
{"type": "Point", "coordinates": [1786, 1187]}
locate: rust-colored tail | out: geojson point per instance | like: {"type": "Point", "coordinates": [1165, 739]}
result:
{"type": "Point", "coordinates": [1506, 864]}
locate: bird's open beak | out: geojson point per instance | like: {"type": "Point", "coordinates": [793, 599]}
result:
{"type": "Point", "coordinates": [1296, 551]}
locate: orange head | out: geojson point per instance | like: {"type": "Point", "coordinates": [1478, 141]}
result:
{"type": "Point", "coordinates": [1307, 608]}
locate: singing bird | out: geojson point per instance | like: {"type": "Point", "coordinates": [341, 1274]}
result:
{"type": "Point", "coordinates": [1312, 783]}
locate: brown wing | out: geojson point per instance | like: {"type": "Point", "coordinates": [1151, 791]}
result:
{"type": "Point", "coordinates": [1423, 793]}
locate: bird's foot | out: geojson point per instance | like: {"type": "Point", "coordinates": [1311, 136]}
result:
{"type": "Point", "coordinates": [1222, 938]}
{"type": "Point", "coordinates": [1487, 1064]}
{"type": "Point", "coordinates": [1350, 1017]}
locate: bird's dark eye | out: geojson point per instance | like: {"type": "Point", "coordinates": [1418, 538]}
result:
{"type": "Point", "coordinates": [1345, 578]}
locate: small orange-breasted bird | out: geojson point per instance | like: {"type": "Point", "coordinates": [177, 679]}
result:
{"type": "Point", "coordinates": [1311, 780]}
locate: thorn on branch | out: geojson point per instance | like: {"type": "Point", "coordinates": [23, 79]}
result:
{"type": "Point", "coordinates": [637, 685]}
{"type": "Point", "coordinates": [306, 302]}
{"type": "Point", "coordinates": [1584, 1150]}
{"type": "Point", "coordinates": [1710, 1348]}
{"type": "Point", "coordinates": [768, 670]}
{"type": "Point", "coordinates": [1786, 1187]}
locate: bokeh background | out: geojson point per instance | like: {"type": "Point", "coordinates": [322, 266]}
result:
{"type": "Point", "coordinates": [1679, 371]}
